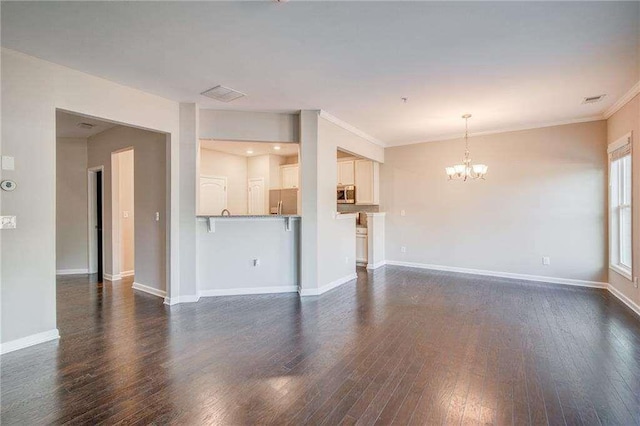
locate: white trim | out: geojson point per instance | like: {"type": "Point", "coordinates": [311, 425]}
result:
{"type": "Point", "coordinates": [72, 271]}
{"type": "Point", "coordinates": [127, 273]}
{"type": "Point", "coordinates": [530, 126]}
{"type": "Point", "coordinates": [372, 266]}
{"type": "Point", "coordinates": [31, 340]}
{"type": "Point", "coordinates": [619, 143]}
{"type": "Point", "coordinates": [626, 273]}
{"type": "Point", "coordinates": [373, 214]}
{"type": "Point", "coordinates": [246, 290]}
{"type": "Point", "coordinates": [348, 127]}
{"type": "Point", "coordinates": [147, 289]}
{"type": "Point", "coordinates": [525, 277]}
{"type": "Point", "coordinates": [333, 284]}
{"type": "Point", "coordinates": [624, 299]}
{"type": "Point", "coordinates": [110, 277]}
{"type": "Point", "coordinates": [635, 89]}
{"type": "Point", "coordinates": [181, 299]}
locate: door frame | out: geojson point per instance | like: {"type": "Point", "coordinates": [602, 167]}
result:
{"type": "Point", "coordinates": [264, 198]}
{"type": "Point", "coordinates": [91, 237]}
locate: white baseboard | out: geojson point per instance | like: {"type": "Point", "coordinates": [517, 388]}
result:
{"type": "Point", "coordinates": [110, 277]}
{"type": "Point", "coordinates": [127, 273]}
{"type": "Point", "coordinates": [181, 299]}
{"type": "Point", "coordinates": [147, 289]}
{"type": "Point", "coordinates": [624, 299]}
{"type": "Point", "coordinates": [526, 277]}
{"type": "Point", "coordinates": [376, 265]}
{"type": "Point", "coordinates": [333, 284]}
{"type": "Point", "coordinates": [72, 271]}
{"type": "Point", "coordinates": [25, 342]}
{"type": "Point", "coordinates": [247, 290]}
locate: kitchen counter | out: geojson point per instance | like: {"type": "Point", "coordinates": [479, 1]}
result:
{"type": "Point", "coordinates": [249, 216]}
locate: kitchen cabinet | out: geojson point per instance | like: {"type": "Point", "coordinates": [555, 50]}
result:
{"type": "Point", "coordinates": [367, 182]}
{"type": "Point", "coordinates": [362, 247]}
{"type": "Point", "coordinates": [289, 176]}
{"type": "Point", "coordinates": [346, 173]}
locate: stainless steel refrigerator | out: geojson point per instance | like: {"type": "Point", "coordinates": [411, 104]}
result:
{"type": "Point", "coordinates": [283, 201]}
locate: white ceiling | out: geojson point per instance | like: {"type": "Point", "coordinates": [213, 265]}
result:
{"type": "Point", "coordinates": [510, 64]}
{"type": "Point", "coordinates": [67, 126]}
{"type": "Point", "coordinates": [256, 148]}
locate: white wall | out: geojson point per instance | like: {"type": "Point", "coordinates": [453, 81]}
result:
{"type": "Point", "coordinates": [249, 126]}
{"type": "Point", "coordinates": [275, 161]}
{"type": "Point", "coordinates": [149, 156]}
{"type": "Point", "coordinates": [234, 168]}
{"type": "Point", "coordinates": [32, 89]}
{"type": "Point", "coordinates": [544, 195]}
{"type": "Point", "coordinates": [225, 257]}
{"type": "Point", "coordinates": [71, 205]}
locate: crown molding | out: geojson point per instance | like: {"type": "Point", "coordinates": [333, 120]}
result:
{"type": "Point", "coordinates": [622, 101]}
{"type": "Point", "coordinates": [348, 127]}
{"type": "Point", "coordinates": [531, 126]}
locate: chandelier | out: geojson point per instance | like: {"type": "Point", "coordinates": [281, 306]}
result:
{"type": "Point", "coordinates": [466, 169]}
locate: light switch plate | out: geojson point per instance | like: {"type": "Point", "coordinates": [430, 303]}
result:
{"type": "Point", "coordinates": [7, 222]}
{"type": "Point", "coordinates": [8, 163]}
{"type": "Point", "coordinates": [546, 260]}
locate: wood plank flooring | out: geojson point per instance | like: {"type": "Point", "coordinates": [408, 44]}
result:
{"type": "Point", "coordinates": [399, 346]}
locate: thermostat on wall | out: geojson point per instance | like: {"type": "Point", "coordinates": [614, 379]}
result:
{"type": "Point", "coordinates": [8, 185]}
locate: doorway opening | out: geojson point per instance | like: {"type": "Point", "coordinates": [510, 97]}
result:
{"type": "Point", "coordinates": [123, 212]}
{"type": "Point", "coordinates": [95, 184]}
{"type": "Point", "coordinates": [111, 200]}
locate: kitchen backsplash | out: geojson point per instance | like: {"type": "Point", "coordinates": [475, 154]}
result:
{"type": "Point", "coordinates": [353, 208]}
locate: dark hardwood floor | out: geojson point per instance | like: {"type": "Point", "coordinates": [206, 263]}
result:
{"type": "Point", "coordinates": [400, 346]}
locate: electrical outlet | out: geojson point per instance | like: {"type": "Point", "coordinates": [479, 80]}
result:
{"type": "Point", "coordinates": [346, 260]}
{"type": "Point", "coordinates": [546, 260]}
{"type": "Point", "coordinates": [403, 249]}
{"type": "Point", "coordinates": [157, 216]}
{"type": "Point", "coordinates": [635, 282]}
{"type": "Point", "coordinates": [7, 222]}
{"type": "Point", "coordinates": [256, 262]}
{"type": "Point", "coordinates": [402, 213]}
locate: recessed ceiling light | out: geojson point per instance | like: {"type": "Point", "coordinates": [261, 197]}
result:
{"type": "Point", "coordinates": [277, 148]}
{"type": "Point", "coordinates": [249, 151]}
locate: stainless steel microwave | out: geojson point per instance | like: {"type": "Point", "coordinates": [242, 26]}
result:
{"type": "Point", "coordinates": [346, 194]}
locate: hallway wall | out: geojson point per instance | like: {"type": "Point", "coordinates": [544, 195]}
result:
{"type": "Point", "coordinates": [71, 205]}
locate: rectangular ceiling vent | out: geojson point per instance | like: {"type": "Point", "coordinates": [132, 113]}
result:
{"type": "Point", "coordinates": [593, 99]}
{"type": "Point", "coordinates": [223, 94]}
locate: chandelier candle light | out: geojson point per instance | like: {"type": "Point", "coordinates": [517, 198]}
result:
{"type": "Point", "coordinates": [466, 169]}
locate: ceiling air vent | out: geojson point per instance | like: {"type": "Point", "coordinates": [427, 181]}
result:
{"type": "Point", "coordinates": [87, 126]}
{"type": "Point", "coordinates": [223, 94]}
{"type": "Point", "coordinates": [593, 99]}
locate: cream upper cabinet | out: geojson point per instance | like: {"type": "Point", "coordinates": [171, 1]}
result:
{"type": "Point", "coordinates": [367, 181]}
{"type": "Point", "coordinates": [289, 176]}
{"type": "Point", "coordinates": [346, 174]}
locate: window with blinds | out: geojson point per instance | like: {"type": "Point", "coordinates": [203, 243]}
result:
{"type": "Point", "coordinates": [620, 181]}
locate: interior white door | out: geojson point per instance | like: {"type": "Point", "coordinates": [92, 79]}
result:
{"type": "Point", "coordinates": [256, 196]}
{"type": "Point", "coordinates": [213, 195]}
